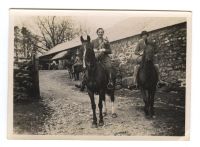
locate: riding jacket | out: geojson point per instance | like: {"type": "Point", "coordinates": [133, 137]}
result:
{"type": "Point", "coordinates": [104, 58]}
{"type": "Point", "coordinates": [147, 46]}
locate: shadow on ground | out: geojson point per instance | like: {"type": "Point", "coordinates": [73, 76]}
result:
{"type": "Point", "coordinates": [29, 117]}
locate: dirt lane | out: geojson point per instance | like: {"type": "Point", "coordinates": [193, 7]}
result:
{"type": "Point", "coordinates": [71, 109]}
{"type": "Point", "coordinates": [64, 110]}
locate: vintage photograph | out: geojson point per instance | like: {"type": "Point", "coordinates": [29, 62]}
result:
{"type": "Point", "coordinates": [99, 74]}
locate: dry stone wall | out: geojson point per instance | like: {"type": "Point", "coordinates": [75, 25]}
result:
{"type": "Point", "coordinates": [171, 42]}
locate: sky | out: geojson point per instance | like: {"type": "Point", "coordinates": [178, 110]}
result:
{"type": "Point", "coordinates": [90, 22]}
{"type": "Point", "coordinates": [115, 23]}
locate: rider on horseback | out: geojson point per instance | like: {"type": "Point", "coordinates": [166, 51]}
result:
{"type": "Point", "coordinates": [142, 45]}
{"type": "Point", "coordinates": [102, 49]}
{"type": "Point", "coordinates": [77, 60]}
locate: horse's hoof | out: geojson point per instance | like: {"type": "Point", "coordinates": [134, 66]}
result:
{"type": "Point", "coordinates": [146, 115]}
{"type": "Point", "coordinates": [114, 115]}
{"type": "Point", "coordinates": [81, 89]}
{"type": "Point", "coordinates": [146, 112]}
{"type": "Point", "coordinates": [101, 123]}
{"type": "Point", "coordinates": [94, 125]}
{"type": "Point", "coordinates": [77, 86]}
{"type": "Point", "coordinates": [104, 113]}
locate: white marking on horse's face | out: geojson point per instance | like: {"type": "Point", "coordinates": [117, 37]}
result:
{"type": "Point", "coordinates": [84, 53]}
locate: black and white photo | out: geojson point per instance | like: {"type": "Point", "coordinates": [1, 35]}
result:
{"type": "Point", "coordinates": [99, 74]}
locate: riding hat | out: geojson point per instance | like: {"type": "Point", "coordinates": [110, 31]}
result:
{"type": "Point", "coordinates": [144, 33]}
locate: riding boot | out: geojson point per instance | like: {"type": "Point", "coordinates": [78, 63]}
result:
{"type": "Point", "coordinates": [160, 82]}
{"type": "Point", "coordinates": [110, 85]}
{"type": "Point", "coordinates": [135, 84]}
{"type": "Point", "coordinates": [83, 84]}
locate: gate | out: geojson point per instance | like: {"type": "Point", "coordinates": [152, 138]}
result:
{"type": "Point", "coordinates": [26, 78]}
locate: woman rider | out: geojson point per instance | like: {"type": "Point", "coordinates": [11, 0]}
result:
{"type": "Point", "coordinates": [102, 50]}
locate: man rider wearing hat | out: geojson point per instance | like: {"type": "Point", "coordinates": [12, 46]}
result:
{"type": "Point", "coordinates": [141, 46]}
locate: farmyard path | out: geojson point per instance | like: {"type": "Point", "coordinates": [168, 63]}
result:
{"type": "Point", "coordinates": [67, 112]}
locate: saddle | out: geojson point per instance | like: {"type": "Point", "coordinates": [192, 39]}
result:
{"type": "Point", "coordinates": [99, 56]}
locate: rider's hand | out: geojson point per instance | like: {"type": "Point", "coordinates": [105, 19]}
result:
{"type": "Point", "coordinates": [141, 53]}
{"type": "Point", "coordinates": [106, 40]}
{"type": "Point", "coordinates": [96, 50]}
{"type": "Point", "coordinates": [102, 50]}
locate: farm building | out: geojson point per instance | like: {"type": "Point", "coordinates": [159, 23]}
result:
{"type": "Point", "coordinates": [168, 33]}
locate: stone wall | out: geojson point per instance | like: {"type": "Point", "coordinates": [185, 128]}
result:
{"type": "Point", "coordinates": [171, 42]}
{"type": "Point", "coordinates": [26, 84]}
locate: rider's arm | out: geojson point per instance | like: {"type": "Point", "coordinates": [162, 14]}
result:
{"type": "Point", "coordinates": [96, 50]}
{"type": "Point", "coordinates": [107, 49]}
{"type": "Point", "coordinates": [76, 60]}
{"type": "Point", "coordinates": [93, 46]}
{"type": "Point", "coordinates": [156, 50]}
{"type": "Point", "coordinates": [137, 49]}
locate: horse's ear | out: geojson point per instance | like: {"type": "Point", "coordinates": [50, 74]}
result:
{"type": "Point", "coordinates": [82, 40]}
{"type": "Point", "coordinates": [88, 38]}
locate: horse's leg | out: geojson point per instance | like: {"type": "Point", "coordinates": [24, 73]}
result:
{"type": "Point", "coordinates": [112, 97]}
{"type": "Point", "coordinates": [74, 76]}
{"type": "Point", "coordinates": [101, 96]}
{"type": "Point", "coordinates": [77, 75]}
{"type": "Point", "coordinates": [149, 92]}
{"type": "Point", "coordinates": [91, 95]}
{"type": "Point", "coordinates": [70, 74]}
{"type": "Point", "coordinates": [152, 102]}
{"type": "Point", "coordinates": [104, 105]}
{"type": "Point", "coordinates": [144, 96]}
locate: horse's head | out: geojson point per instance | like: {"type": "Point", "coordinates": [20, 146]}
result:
{"type": "Point", "coordinates": [148, 55]}
{"type": "Point", "coordinates": [88, 53]}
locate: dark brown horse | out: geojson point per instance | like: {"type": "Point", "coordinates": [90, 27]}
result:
{"type": "Point", "coordinates": [77, 70]}
{"type": "Point", "coordinates": [73, 73]}
{"type": "Point", "coordinates": [97, 80]}
{"type": "Point", "coordinates": [68, 65]}
{"type": "Point", "coordinates": [147, 79]}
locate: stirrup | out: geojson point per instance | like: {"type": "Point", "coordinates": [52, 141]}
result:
{"type": "Point", "coordinates": [78, 86]}
{"type": "Point", "coordinates": [135, 86]}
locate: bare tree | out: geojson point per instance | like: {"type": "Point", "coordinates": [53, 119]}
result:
{"type": "Point", "coordinates": [17, 41]}
{"type": "Point", "coordinates": [24, 43]}
{"type": "Point", "coordinates": [55, 30]}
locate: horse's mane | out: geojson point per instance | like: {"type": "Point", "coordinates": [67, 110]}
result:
{"type": "Point", "coordinates": [90, 55]}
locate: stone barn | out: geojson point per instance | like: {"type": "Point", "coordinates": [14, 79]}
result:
{"type": "Point", "coordinates": [169, 35]}
{"type": "Point", "coordinates": [171, 41]}
{"type": "Point", "coordinates": [60, 53]}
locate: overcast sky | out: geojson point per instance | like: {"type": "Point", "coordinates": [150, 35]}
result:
{"type": "Point", "coordinates": [115, 23]}
{"type": "Point", "coordinates": [90, 22]}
